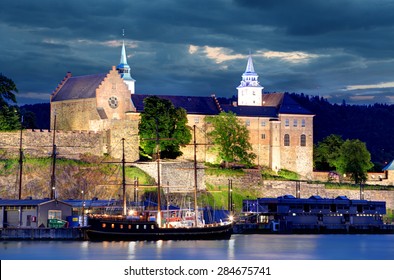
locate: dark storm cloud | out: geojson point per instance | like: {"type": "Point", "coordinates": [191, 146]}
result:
{"type": "Point", "coordinates": [200, 47]}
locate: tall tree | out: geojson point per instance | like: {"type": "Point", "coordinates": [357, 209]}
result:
{"type": "Point", "coordinates": [327, 152]}
{"type": "Point", "coordinates": [354, 159]}
{"type": "Point", "coordinates": [162, 120]}
{"type": "Point", "coordinates": [231, 139]}
{"type": "Point", "coordinates": [9, 113]}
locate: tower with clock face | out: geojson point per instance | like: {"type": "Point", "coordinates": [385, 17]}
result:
{"type": "Point", "coordinates": [250, 91]}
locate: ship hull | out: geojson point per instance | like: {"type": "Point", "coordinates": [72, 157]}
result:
{"type": "Point", "coordinates": [124, 230]}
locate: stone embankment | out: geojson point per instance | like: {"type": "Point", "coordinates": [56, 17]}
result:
{"type": "Point", "coordinates": [42, 234]}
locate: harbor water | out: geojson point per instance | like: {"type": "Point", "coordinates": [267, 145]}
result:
{"type": "Point", "coordinates": [239, 247]}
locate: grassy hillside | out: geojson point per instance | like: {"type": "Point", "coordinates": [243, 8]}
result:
{"type": "Point", "coordinates": [95, 179]}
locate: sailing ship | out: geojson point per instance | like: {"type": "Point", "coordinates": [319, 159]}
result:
{"type": "Point", "coordinates": [147, 225]}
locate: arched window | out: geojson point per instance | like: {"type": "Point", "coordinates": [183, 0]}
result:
{"type": "Point", "coordinates": [287, 140]}
{"type": "Point", "coordinates": [303, 140]}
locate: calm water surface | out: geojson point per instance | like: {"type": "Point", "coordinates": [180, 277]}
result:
{"type": "Point", "coordinates": [269, 247]}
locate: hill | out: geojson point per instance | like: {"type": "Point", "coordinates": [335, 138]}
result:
{"type": "Point", "coordinates": [41, 115]}
{"type": "Point", "coordinates": [372, 124]}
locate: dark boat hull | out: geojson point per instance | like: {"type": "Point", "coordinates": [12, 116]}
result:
{"type": "Point", "coordinates": [124, 230]}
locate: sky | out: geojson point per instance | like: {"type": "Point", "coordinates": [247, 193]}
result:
{"type": "Point", "coordinates": [336, 49]}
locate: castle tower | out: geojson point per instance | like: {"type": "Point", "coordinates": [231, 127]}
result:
{"type": "Point", "coordinates": [124, 70]}
{"type": "Point", "coordinates": [250, 91]}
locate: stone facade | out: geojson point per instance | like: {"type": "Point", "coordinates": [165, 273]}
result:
{"type": "Point", "coordinates": [91, 114]}
{"type": "Point", "coordinates": [69, 144]}
{"type": "Point", "coordinates": [176, 176]}
{"type": "Point", "coordinates": [73, 144]}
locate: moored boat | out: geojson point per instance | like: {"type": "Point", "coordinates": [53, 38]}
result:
{"type": "Point", "coordinates": [103, 227]}
{"type": "Point", "coordinates": [148, 225]}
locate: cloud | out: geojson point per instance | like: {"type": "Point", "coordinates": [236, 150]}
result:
{"type": "Point", "coordinates": [217, 54]}
{"type": "Point", "coordinates": [292, 57]}
{"type": "Point", "coordinates": [315, 47]}
{"type": "Point", "coordinates": [361, 97]}
{"type": "Point", "coordinates": [372, 86]}
{"type": "Point", "coordinates": [28, 97]}
{"type": "Point", "coordinates": [220, 54]}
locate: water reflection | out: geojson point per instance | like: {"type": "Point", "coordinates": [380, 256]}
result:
{"type": "Point", "coordinates": [270, 247]}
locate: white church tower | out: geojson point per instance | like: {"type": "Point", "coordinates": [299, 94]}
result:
{"type": "Point", "coordinates": [250, 91]}
{"type": "Point", "coordinates": [124, 70]}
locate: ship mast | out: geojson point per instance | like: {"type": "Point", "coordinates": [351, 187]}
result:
{"type": "Point", "coordinates": [124, 179]}
{"type": "Point", "coordinates": [158, 174]}
{"type": "Point", "coordinates": [195, 175]}
{"type": "Point", "coordinates": [20, 162]}
{"type": "Point", "coordinates": [53, 161]}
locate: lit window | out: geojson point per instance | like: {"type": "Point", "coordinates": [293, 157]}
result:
{"type": "Point", "coordinates": [287, 140]}
{"type": "Point", "coordinates": [54, 214]}
{"type": "Point", "coordinates": [121, 226]}
{"type": "Point", "coordinates": [303, 140]}
{"type": "Point", "coordinates": [103, 225]}
{"type": "Point", "coordinates": [112, 225]}
{"type": "Point", "coordinates": [287, 122]}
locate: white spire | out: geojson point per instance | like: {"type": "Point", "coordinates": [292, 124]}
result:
{"type": "Point", "coordinates": [250, 91]}
{"type": "Point", "coordinates": [249, 66]}
{"type": "Point", "coordinates": [124, 68]}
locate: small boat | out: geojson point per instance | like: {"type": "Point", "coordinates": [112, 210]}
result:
{"type": "Point", "coordinates": [148, 225]}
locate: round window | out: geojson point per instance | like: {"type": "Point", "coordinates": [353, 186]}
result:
{"type": "Point", "coordinates": [113, 102]}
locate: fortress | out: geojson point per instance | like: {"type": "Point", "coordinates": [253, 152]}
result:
{"type": "Point", "coordinates": [94, 112]}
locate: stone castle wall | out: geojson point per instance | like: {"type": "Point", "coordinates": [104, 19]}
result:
{"type": "Point", "coordinates": [39, 143]}
{"type": "Point", "coordinates": [174, 175]}
{"type": "Point", "coordinates": [73, 144]}
{"type": "Point", "coordinates": [82, 110]}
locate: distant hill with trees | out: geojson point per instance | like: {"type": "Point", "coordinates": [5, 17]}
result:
{"type": "Point", "coordinates": [372, 124]}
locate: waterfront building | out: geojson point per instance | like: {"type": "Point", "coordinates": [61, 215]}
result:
{"type": "Point", "coordinates": [33, 213]}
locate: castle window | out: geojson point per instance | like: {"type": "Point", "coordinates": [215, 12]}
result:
{"type": "Point", "coordinates": [113, 102]}
{"type": "Point", "coordinates": [303, 123]}
{"type": "Point", "coordinates": [303, 140]}
{"type": "Point", "coordinates": [247, 122]}
{"type": "Point", "coordinates": [196, 120]}
{"type": "Point", "coordinates": [295, 123]}
{"type": "Point", "coordinates": [287, 140]}
{"type": "Point", "coordinates": [287, 122]}
{"type": "Point", "coordinates": [263, 123]}
{"type": "Point", "coordinates": [263, 136]}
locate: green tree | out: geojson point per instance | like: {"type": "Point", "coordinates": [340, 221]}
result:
{"type": "Point", "coordinates": [9, 113]}
{"type": "Point", "coordinates": [161, 119]}
{"type": "Point", "coordinates": [327, 152]}
{"type": "Point", "coordinates": [231, 139]}
{"type": "Point", "coordinates": [354, 159]}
